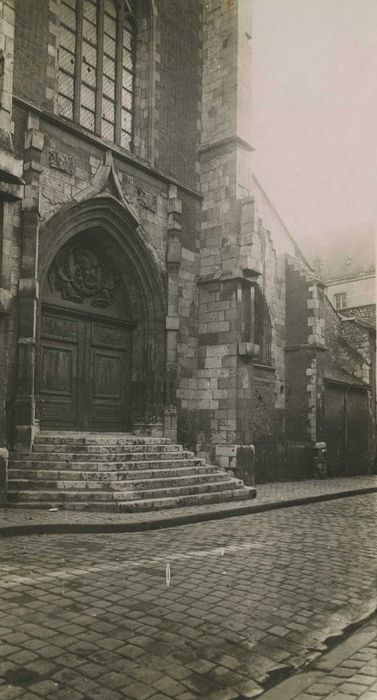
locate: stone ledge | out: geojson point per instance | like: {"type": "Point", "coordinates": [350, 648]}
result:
{"type": "Point", "coordinates": [248, 349]}
{"type": "Point", "coordinates": [172, 323]}
{"type": "Point", "coordinates": [305, 346]}
{"type": "Point", "coordinates": [226, 142]}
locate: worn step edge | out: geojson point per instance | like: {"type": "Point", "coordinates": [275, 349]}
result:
{"type": "Point", "coordinates": [194, 461]}
{"type": "Point", "coordinates": [89, 456]}
{"type": "Point", "coordinates": [114, 483]}
{"type": "Point", "coordinates": [185, 499]}
{"type": "Point", "coordinates": [100, 440]}
{"type": "Point", "coordinates": [101, 449]}
{"type": "Point", "coordinates": [146, 494]}
{"type": "Point", "coordinates": [153, 504]}
{"type": "Point", "coordinates": [139, 474]}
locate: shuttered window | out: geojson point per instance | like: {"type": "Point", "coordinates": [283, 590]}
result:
{"type": "Point", "coordinates": [96, 59]}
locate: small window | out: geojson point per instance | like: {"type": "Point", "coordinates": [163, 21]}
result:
{"type": "Point", "coordinates": [340, 300]}
{"type": "Point", "coordinates": [96, 77]}
{"type": "Point", "coordinates": [262, 327]}
{"type": "Point", "coordinates": [256, 326]}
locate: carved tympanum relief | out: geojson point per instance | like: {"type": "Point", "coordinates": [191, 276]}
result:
{"type": "Point", "coordinates": [81, 272]}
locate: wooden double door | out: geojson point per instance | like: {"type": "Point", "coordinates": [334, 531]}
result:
{"type": "Point", "coordinates": [84, 375]}
{"type": "Point", "coordinates": [346, 429]}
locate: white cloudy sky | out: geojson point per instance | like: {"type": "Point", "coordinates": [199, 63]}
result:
{"type": "Point", "coordinates": [314, 122]}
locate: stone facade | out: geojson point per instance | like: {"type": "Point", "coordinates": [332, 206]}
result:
{"type": "Point", "coordinates": [231, 335]}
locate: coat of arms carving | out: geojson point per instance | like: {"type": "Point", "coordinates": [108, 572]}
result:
{"type": "Point", "coordinates": [81, 273]}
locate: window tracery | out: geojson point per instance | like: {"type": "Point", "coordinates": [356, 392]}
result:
{"type": "Point", "coordinates": [96, 66]}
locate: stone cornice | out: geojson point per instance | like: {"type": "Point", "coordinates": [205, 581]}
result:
{"type": "Point", "coordinates": [226, 144]}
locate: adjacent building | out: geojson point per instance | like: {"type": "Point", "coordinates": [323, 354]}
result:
{"type": "Point", "coordinates": [345, 261]}
{"type": "Point", "coordinates": [147, 282]}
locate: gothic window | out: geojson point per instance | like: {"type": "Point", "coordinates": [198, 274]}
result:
{"type": "Point", "coordinates": [97, 57]}
{"type": "Point", "coordinates": [256, 326]}
{"type": "Point", "coordinates": [262, 327]}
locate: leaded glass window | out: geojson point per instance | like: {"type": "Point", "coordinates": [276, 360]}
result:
{"type": "Point", "coordinates": [96, 76]}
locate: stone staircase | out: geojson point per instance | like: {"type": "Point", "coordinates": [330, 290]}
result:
{"type": "Point", "coordinates": [115, 472]}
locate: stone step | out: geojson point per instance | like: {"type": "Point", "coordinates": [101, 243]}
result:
{"type": "Point", "coordinates": [113, 472]}
{"type": "Point", "coordinates": [83, 434]}
{"type": "Point", "coordinates": [145, 504]}
{"type": "Point", "coordinates": [114, 482]}
{"type": "Point", "coordinates": [103, 449]}
{"type": "Point", "coordinates": [98, 439]}
{"type": "Point", "coordinates": [121, 496]}
{"type": "Point", "coordinates": [186, 500]}
{"type": "Point", "coordinates": [113, 465]}
{"type": "Point", "coordinates": [93, 458]}
{"type": "Point", "coordinates": [93, 473]}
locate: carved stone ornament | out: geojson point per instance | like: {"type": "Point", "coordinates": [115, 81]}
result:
{"type": "Point", "coordinates": [81, 273]}
{"type": "Point", "coordinates": [61, 161]}
{"type": "Point", "coordinates": [136, 195]}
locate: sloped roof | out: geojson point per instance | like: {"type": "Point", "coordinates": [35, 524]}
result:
{"type": "Point", "coordinates": [343, 253]}
{"type": "Point", "coordinates": [342, 377]}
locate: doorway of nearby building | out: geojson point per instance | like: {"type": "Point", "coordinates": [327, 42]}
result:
{"type": "Point", "coordinates": [346, 429]}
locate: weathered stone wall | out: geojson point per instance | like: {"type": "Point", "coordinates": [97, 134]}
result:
{"type": "Point", "coordinates": [11, 191]}
{"type": "Point", "coordinates": [179, 88]}
{"type": "Point", "coordinates": [305, 336]}
{"type": "Point", "coordinates": [361, 337]}
{"type": "Point", "coordinates": [240, 391]}
{"type": "Point", "coordinates": [9, 328]}
{"type": "Point", "coordinates": [365, 314]}
{"type": "Point", "coordinates": [31, 51]}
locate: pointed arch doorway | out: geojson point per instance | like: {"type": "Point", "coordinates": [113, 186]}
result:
{"type": "Point", "coordinates": [83, 295]}
{"type": "Point", "coordinates": [85, 341]}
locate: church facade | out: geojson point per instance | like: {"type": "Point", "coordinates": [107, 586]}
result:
{"type": "Point", "coordinates": [147, 284]}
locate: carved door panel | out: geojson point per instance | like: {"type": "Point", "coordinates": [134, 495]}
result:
{"type": "Point", "coordinates": [84, 373]}
{"type": "Point", "coordinates": [109, 399]}
{"type": "Point", "coordinates": [60, 358]}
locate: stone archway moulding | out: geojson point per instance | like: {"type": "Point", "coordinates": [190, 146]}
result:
{"type": "Point", "coordinates": [106, 213]}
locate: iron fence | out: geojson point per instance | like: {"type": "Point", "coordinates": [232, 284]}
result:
{"type": "Point", "coordinates": [283, 460]}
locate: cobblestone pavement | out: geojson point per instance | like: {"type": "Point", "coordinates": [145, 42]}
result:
{"type": "Point", "coordinates": [347, 672]}
{"type": "Point", "coordinates": [200, 611]}
{"type": "Point", "coordinates": [266, 493]}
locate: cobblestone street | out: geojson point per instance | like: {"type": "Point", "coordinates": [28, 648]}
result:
{"type": "Point", "coordinates": [347, 672]}
{"type": "Point", "coordinates": [213, 610]}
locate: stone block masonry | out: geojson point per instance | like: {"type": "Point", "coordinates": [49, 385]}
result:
{"type": "Point", "coordinates": [230, 338]}
{"type": "Point", "coordinates": [11, 192]}
{"type": "Point", "coordinates": [305, 344]}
